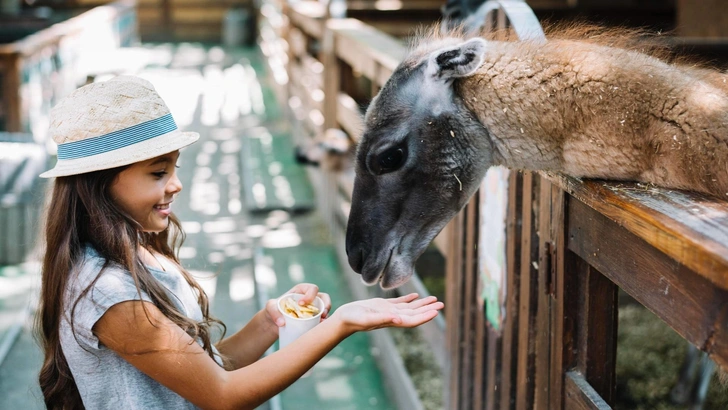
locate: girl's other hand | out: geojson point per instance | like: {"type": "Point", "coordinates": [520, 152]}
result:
{"type": "Point", "coordinates": [309, 292]}
{"type": "Point", "coordinates": [404, 311]}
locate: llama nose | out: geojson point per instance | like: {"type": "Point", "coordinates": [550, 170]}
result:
{"type": "Point", "coordinates": [356, 260]}
{"type": "Point", "coordinates": [354, 252]}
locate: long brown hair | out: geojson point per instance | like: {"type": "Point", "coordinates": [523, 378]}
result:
{"type": "Point", "coordinates": [80, 213]}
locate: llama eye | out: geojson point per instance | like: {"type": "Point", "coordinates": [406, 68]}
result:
{"type": "Point", "coordinates": [390, 160]}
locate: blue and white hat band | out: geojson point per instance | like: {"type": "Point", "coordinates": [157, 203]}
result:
{"type": "Point", "coordinates": [117, 139]}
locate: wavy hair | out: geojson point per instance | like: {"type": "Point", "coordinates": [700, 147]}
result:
{"type": "Point", "coordinates": [81, 212]}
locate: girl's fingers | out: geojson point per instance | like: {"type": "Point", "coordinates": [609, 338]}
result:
{"type": "Point", "coordinates": [421, 309]}
{"type": "Point", "coordinates": [420, 302]}
{"type": "Point", "coordinates": [308, 290]}
{"type": "Point", "coordinates": [274, 313]}
{"type": "Point", "coordinates": [403, 298]}
{"type": "Point", "coordinates": [327, 303]}
{"type": "Point", "coordinates": [309, 295]}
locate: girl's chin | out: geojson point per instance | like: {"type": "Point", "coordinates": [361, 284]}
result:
{"type": "Point", "coordinates": [157, 226]}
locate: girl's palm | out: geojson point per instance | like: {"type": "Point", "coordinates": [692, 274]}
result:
{"type": "Point", "coordinates": [404, 311]}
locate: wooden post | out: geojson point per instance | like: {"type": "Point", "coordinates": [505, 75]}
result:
{"type": "Point", "coordinates": [704, 18]}
{"type": "Point", "coordinates": [528, 293]}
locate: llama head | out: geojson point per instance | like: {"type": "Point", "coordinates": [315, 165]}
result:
{"type": "Point", "coordinates": [421, 157]}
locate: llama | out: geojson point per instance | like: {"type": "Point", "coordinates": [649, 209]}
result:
{"type": "Point", "coordinates": [455, 107]}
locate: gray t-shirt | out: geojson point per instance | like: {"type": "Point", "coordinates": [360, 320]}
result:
{"type": "Point", "coordinates": [104, 379]}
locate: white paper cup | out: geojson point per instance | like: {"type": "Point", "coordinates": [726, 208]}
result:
{"type": "Point", "coordinates": [295, 327]}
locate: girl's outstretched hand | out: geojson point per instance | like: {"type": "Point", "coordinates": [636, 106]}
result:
{"type": "Point", "coordinates": [404, 311]}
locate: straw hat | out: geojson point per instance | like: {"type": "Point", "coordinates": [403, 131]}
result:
{"type": "Point", "coordinates": [110, 124]}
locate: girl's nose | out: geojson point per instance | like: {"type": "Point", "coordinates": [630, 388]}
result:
{"type": "Point", "coordinates": [174, 185]}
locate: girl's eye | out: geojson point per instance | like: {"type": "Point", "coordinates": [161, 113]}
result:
{"type": "Point", "coordinates": [159, 174]}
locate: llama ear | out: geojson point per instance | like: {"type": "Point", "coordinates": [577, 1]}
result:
{"type": "Point", "coordinates": [459, 61]}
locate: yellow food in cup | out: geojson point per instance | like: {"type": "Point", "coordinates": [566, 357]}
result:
{"type": "Point", "coordinates": [293, 309]}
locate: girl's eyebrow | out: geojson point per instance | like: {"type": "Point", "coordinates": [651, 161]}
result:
{"type": "Point", "coordinates": [160, 160]}
{"type": "Point", "coordinates": [163, 159]}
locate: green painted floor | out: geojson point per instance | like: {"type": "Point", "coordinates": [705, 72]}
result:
{"type": "Point", "coordinates": [238, 249]}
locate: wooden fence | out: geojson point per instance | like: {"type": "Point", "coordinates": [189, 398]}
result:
{"type": "Point", "coordinates": [545, 337]}
{"type": "Point", "coordinates": [40, 68]}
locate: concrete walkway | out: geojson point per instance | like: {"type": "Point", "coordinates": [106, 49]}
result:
{"type": "Point", "coordinates": [241, 258]}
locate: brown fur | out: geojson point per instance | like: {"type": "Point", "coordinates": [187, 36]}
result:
{"type": "Point", "coordinates": [606, 106]}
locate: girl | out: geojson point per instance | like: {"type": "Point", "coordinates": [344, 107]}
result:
{"type": "Point", "coordinates": [121, 323]}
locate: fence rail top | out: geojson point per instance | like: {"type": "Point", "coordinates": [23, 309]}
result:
{"type": "Point", "coordinates": [366, 45]}
{"type": "Point", "coordinates": [309, 16]}
{"type": "Point", "coordinates": [688, 227]}
{"type": "Point", "coordinates": [53, 33]}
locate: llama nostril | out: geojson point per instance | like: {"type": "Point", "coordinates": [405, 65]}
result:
{"type": "Point", "coordinates": [356, 260]}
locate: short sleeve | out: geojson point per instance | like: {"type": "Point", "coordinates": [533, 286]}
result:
{"type": "Point", "coordinates": [115, 285]}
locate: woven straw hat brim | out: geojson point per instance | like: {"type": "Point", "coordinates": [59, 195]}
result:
{"type": "Point", "coordinates": [141, 151]}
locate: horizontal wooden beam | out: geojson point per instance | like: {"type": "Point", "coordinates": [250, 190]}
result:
{"type": "Point", "coordinates": [689, 303]}
{"type": "Point", "coordinates": [690, 228]}
{"type": "Point", "coordinates": [309, 16]}
{"type": "Point", "coordinates": [579, 395]}
{"type": "Point", "coordinates": [367, 50]}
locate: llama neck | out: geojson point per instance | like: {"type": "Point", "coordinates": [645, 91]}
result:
{"type": "Point", "coordinates": [594, 111]}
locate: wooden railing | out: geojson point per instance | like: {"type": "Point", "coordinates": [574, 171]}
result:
{"type": "Point", "coordinates": [546, 338]}
{"type": "Point", "coordinates": [39, 69]}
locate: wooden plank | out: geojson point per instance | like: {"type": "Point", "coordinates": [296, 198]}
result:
{"type": "Point", "coordinates": [363, 47]}
{"type": "Point", "coordinates": [204, 14]}
{"type": "Point", "coordinates": [348, 116]}
{"type": "Point", "coordinates": [688, 302]}
{"type": "Point", "coordinates": [11, 92]}
{"type": "Point", "coordinates": [50, 36]}
{"type": "Point", "coordinates": [347, 49]}
{"type": "Point", "coordinates": [597, 315]}
{"type": "Point", "coordinates": [580, 395]}
{"type": "Point", "coordinates": [470, 272]}
{"type": "Point", "coordinates": [562, 327]}
{"type": "Point", "coordinates": [494, 365]}
{"type": "Point", "coordinates": [688, 227]}
{"type": "Point", "coordinates": [393, 5]}
{"type": "Point", "coordinates": [453, 301]}
{"type": "Point", "coordinates": [307, 15]}
{"type": "Point", "coordinates": [709, 19]}
{"type": "Point", "coordinates": [528, 294]}
{"type": "Point", "coordinates": [331, 79]}
{"type": "Point", "coordinates": [509, 342]}
{"type": "Point", "coordinates": [543, 309]}
{"type": "Point", "coordinates": [296, 42]}
{"type": "Point", "coordinates": [215, 3]}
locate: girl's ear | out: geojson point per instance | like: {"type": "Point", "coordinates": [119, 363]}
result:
{"type": "Point", "coordinates": [459, 61]}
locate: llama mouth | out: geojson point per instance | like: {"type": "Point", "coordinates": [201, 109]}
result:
{"type": "Point", "coordinates": [371, 275]}
{"type": "Point", "coordinates": [381, 278]}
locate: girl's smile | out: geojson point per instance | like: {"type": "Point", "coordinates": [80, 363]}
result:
{"type": "Point", "coordinates": [145, 190]}
{"type": "Point", "coordinates": [164, 209]}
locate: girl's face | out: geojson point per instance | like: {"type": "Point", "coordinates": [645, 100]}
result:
{"type": "Point", "coordinates": [146, 190]}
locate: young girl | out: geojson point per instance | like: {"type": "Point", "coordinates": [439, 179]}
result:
{"type": "Point", "coordinates": [122, 324]}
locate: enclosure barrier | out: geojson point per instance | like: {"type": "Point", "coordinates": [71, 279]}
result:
{"type": "Point", "coordinates": [545, 335]}
{"type": "Point", "coordinates": [42, 66]}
